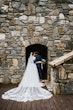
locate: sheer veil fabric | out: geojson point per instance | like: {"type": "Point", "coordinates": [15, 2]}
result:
{"type": "Point", "coordinates": [30, 87]}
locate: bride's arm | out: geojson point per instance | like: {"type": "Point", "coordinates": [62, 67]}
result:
{"type": "Point", "coordinates": [39, 62]}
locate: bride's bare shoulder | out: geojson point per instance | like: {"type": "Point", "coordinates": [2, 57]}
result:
{"type": "Point", "coordinates": [33, 57]}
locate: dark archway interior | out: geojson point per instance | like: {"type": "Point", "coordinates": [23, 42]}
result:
{"type": "Point", "coordinates": [42, 51]}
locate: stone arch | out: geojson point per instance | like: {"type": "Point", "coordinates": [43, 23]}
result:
{"type": "Point", "coordinates": [34, 40]}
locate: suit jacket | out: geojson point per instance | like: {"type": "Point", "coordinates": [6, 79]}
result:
{"type": "Point", "coordinates": [38, 58]}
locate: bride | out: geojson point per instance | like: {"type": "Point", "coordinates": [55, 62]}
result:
{"type": "Point", "coordinates": [30, 87]}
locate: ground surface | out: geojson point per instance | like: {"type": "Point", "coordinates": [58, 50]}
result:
{"type": "Point", "coordinates": [57, 102]}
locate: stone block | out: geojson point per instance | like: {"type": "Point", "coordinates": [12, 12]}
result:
{"type": "Point", "coordinates": [65, 6]}
{"type": "Point", "coordinates": [18, 22]}
{"type": "Point", "coordinates": [1, 80]}
{"type": "Point", "coordinates": [5, 30]}
{"type": "Point", "coordinates": [32, 1]}
{"type": "Point", "coordinates": [71, 13]}
{"type": "Point", "coordinates": [38, 28]}
{"type": "Point", "coordinates": [2, 36]}
{"type": "Point", "coordinates": [5, 8]}
{"type": "Point", "coordinates": [62, 88]}
{"type": "Point", "coordinates": [30, 30]}
{"type": "Point", "coordinates": [5, 45]}
{"type": "Point", "coordinates": [54, 13]}
{"type": "Point", "coordinates": [37, 40]}
{"type": "Point", "coordinates": [39, 9]}
{"type": "Point", "coordinates": [32, 19]}
{"type": "Point", "coordinates": [10, 16]}
{"type": "Point", "coordinates": [15, 62]}
{"type": "Point", "coordinates": [41, 20]}
{"type": "Point", "coordinates": [69, 88]}
{"type": "Point", "coordinates": [36, 33]}
{"type": "Point", "coordinates": [68, 66]}
{"type": "Point", "coordinates": [1, 1]}
{"type": "Point", "coordinates": [61, 16]}
{"type": "Point", "coordinates": [24, 31]}
{"type": "Point", "coordinates": [10, 9]}
{"type": "Point", "coordinates": [41, 3]}
{"type": "Point", "coordinates": [70, 75]}
{"type": "Point", "coordinates": [13, 52]}
{"type": "Point", "coordinates": [60, 30]}
{"type": "Point", "coordinates": [53, 54]}
{"type": "Point", "coordinates": [18, 28]}
{"type": "Point", "coordinates": [49, 22]}
{"type": "Point", "coordinates": [45, 26]}
{"type": "Point", "coordinates": [64, 22]}
{"type": "Point", "coordinates": [15, 5]}
{"type": "Point", "coordinates": [4, 24]}
{"type": "Point", "coordinates": [49, 35]}
{"type": "Point", "coordinates": [63, 81]}
{"type": "Point", "coordinates": [50, 43]}
{"type": "Point", "coordinates": [53, 18]}
{"type": "Point", "coordinates": [23, 18]}
{"type": "Point", "coordinates": [71, 6]}
{"type": "Point", "coordinates": [16, 76]}
{"type": "Point", "coordinates": [71, 23]}
{"type": "Point", "coordinates": [66, 37]}
{"type": "Point", "coordinates": [15, 81]}
{"type": "Point", "coordinates": [62, 73]}
{"type": "Point", "coordinates": [56, 88]}
{"type": "Point", "coordinates": [15, 33]}
{"type": "Point", "coordinates": [62, 45]}
{"type": "Point", "coordinates": [22, 7]}
{"type": "Point", "coordinates": [7, 80]}
{"type": "Point", "coordinates": [23, 50]}
{"type": "Point", "coordinates": [26, 43]}
{"type": "Point", "coordinates": [31, 8]}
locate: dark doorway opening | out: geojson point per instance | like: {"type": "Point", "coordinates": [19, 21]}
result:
{"type": "Point", "coordinates": [42, 51]}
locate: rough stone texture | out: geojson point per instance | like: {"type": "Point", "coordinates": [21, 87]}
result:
{"type": "Point", "coordinates": [23, 18]}
{"type": "Point", "coordinates": [69, 88]}
{"type": "Point", "coordinates": [70, 75]}
{"type": "Point", "coordinates": [56, 88]}
{"type": "Point", "coordinates": [15, 62]}
{"type": "Point", "coordinates": [15, 33]}
{"type": "Point", "coordinates": [63, 77]}
{"type": "Point", "coordinates": [2, 36]}
{"type": "Point", "coordinates": [61, 16]}
{"type": "Point", "coordinates": [62, 73]}
{"type": "Point", "coordinates": [22, 7]}
{"type": "Point", "coordinates": [1, 80]}
{"type": "Point", "coordinates": [27, 22]}
{"type": "Point", "coordinates": [15, 81]}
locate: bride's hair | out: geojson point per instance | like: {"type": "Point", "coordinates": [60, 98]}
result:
{"type": "Point", "coordinates": [36, 52]}
{"type": "Point", "coordinates": [32, 53]}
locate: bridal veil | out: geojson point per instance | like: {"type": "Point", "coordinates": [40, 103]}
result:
{"type": "Point", "coordinates": [29, 88]}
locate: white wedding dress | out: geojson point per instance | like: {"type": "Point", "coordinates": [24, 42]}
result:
{"type": "Point", "coordinates": [30, 87]}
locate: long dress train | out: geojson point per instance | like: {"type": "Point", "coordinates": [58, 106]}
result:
{"type": "Point", "coordinates": [29, 88]}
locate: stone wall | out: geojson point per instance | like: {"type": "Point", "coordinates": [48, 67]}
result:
{"type": "Point", "coordinates": [62, 79]}
{"type": "Point", "coordinates": [26, 22]}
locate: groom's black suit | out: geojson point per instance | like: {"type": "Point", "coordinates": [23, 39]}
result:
{"type": "Point", "coordinates": [38, 58]}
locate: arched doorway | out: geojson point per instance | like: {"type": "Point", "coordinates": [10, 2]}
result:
{"type": "Point", "coordinates": [43, 52]}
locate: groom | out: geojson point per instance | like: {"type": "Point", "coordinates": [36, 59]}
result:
{"type": "Point", "coordinates": [38, 62]}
